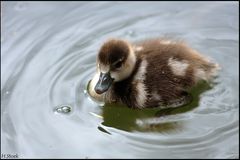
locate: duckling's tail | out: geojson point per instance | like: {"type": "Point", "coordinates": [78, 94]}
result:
{"type": "Point", "coordinates": [207, 72]}
{"type": "Point", "coordinates": [213, 71]}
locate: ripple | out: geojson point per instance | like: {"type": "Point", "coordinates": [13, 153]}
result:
{"type": "Point", "coordinates": [155, 141]}
{"type": "Point", "coordinates": [48, 53]}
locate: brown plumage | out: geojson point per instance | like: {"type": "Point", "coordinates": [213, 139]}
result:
{"type": "Point", "coordinates": [148, 73]}
{"type": "Point", "coordinates": [119, 48]}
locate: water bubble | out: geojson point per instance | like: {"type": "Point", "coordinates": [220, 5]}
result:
{"type": "Point", "coordinates": [65, 109]}
{"type": "Point", "coordinates": [85, 91]}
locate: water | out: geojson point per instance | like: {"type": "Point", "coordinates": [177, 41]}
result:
{"type": "Point", "coordinates": [48, 52]}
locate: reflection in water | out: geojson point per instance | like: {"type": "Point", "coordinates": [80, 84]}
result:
{"type": "Point", "coordinates": [151, 119]}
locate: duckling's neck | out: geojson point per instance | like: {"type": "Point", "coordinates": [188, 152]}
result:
{"type": "Point", "coordinates": [130, 63]}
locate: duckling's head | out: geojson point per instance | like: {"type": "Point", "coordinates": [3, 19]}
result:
{"type": "Point", "coordinates": [115, 62]}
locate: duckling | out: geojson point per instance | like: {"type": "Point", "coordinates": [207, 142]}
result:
{"type": "Point", "coordinates": [147, 73]}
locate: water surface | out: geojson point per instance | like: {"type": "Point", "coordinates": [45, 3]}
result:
{"type": "Point", "coordinates": [48, 52]}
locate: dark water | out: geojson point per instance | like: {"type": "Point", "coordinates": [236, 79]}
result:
{"type": "Point", "coordinates": [48, 52]}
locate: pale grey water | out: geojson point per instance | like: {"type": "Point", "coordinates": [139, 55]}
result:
{"type": "Point", "coordinates": [48, 52]}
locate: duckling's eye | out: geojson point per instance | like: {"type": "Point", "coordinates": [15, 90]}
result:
{"type": "Point", "coordinates": [118, 65]}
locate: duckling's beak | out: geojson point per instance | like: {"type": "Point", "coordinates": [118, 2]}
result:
{"type": "Point", "coordinates": [104, 82]}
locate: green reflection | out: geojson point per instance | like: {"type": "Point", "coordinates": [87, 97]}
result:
{"type": "Point", "coordinates": [124, 118]}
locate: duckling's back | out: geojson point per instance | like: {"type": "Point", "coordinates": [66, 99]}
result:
{"type": "Point", "coordinates": [167, 70]}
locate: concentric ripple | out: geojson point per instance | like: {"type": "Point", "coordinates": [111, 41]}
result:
{"type": "Point", "coordinates": [48, 53]}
